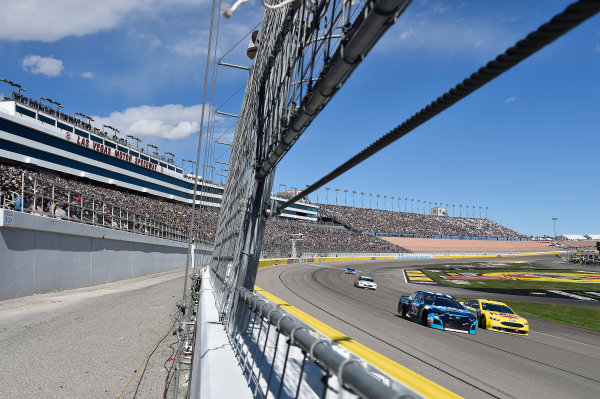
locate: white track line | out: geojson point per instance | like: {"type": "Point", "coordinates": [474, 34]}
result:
{"type": "Point", "coordinates": [564, 339]}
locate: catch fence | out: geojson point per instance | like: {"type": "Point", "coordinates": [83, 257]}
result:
{"type": "Point", "coordinates": [306, 51]}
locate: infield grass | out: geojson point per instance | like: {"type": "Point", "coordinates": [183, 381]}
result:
{"type": "Point", "coordinates": [576, 316]}
{"type": "Point", "coordinates": [436, 275]}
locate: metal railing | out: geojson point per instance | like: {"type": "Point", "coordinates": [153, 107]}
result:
{"type": "Point", "coordinates": [47, 198]}
{"type": "Point", "coordinates": [283, 357]}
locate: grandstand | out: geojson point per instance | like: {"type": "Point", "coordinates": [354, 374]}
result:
{"type": "Point", "coordinates": [436, 245]}
{"type": "Point", "coordinates": [319, 238]}
{"type": "Point", "coordinates": [337, 229]}
{"type": "Point", "coordinates": [391, 223]}
{"type": "Point", "coordinates": [49, 194]}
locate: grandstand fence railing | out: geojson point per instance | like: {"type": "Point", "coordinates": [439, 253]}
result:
{"type": "Point", "coordinates": [283, 357]}
{"type": "Point", "coordinates": [49, 199]}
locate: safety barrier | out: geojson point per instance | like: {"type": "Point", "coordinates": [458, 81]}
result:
{"type": "Point", "coordinates": [288, 261]}
{"type": "Point", "coordinates": [283, 357]}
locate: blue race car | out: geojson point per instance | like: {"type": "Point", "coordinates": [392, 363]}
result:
{"type": "Point", "coordinates": [439, 311]}
{"type": "Point", "coordinates": [350, 270]}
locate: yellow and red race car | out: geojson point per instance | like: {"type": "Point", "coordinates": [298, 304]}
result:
{"type": "Point", "coordinates": [497, 316]}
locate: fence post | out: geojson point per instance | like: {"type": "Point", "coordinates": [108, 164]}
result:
{"type": "Point", "coordinates": [22, 191]}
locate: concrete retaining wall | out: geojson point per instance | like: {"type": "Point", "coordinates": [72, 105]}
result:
{"type": "Point", "coordinates": [39, 254]}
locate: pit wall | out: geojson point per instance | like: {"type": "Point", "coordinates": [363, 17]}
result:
{"type": "Point", "coordinates": [286, 261]}
{"type": "Point", "coordinates": [39, 254]}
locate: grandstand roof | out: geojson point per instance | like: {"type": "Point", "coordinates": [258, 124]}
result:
{"type": "Point", "coordinates": [571, 237]}
{"type": "Point", "coordinates": [593, 236]}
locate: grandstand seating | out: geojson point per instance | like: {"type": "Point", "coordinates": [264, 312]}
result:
{"type": "Point", "coordinates": [431, 245]}
{"type": "Point", "coordinates": [77, 195]}
{"type": "Point", "coordinates": [343, 235]}
{"type": "Point", "coordinates": [319, 238]}
{"type": "Point", "coordinates": [404, 223]}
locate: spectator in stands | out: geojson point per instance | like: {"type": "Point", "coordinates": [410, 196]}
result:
{"type": "Point", "coordinates": [60, 213]}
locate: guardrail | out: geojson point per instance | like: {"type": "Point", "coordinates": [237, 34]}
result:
{"type": "Point", "coordinates": [44, 197]}
{"type": "Point", "coordinates": [283, 357]}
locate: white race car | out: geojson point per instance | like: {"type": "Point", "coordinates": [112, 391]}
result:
{"type": "Point", "coordinates": [365, 282]}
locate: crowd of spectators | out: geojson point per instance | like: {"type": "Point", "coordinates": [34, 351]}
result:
{"type": "Point", "coordinates": [403, 223]}
{"type": "Point", "coordinates": [319, 238]}
{"type": "Point", "coordinates": [49, 194]}
{"type": "Point", "coordinates": [46, 193]}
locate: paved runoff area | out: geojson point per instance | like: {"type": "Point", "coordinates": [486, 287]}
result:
{"type": "Point", "coordinates": [87, 343]}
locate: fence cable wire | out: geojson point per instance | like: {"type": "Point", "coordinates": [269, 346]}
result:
{"type": "Point", "coordinates": [562, 23]}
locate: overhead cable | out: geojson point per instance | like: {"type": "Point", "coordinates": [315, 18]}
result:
{"type": "Point", "coordinates": [560, 24]}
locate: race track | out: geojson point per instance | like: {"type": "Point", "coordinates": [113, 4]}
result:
{"type": "Point", "coordinates": [554, 361]}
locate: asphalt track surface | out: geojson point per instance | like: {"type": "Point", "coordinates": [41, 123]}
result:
{"type": "Point", "coordinates": [87, 342]}
{"type": "Point", "coordinates": [554, 361]}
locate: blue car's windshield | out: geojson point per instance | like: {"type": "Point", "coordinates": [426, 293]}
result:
{"type": "Point", "coordinates": [435, 300]}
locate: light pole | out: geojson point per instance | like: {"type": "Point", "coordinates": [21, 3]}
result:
{"type": "Point", "coordinates": [187, 160]}
{"type": "Point", "coordinates": [370, 200]}
{"type": "Point", "coordinates": [353, 202]}
{"type": "Point", "coordinates": [327, 195]}
{"type": "Point", "coordinates": [554, 220]}
{"type": "Point", "coordinates": [172, 159]}
{"type": "Point", "coordinates": [393, 203]}
{"type": "Point", "coordinates": [345, 192]}
{"type": "Point", "coordinates": [405, 199]}
{"type": "Point", "coordinates": [58, 105]}
{"type": "Point", "coordinates": [419, 206]}
{"type": "Point", "coordinates": [137, 140]}
{"type": "Point", "coordinates": [479, 212]}
{"type": "Point", "coordinates": [13, 84]}
{"type": "Point", "coordinates": [336, 191]}
{"type": "Point", "coordinates": [362, 201]}
{"type": "Point", "coordinates": [460, 206]}
{"type": "Point", "coordinates": [84, 116]}
{"type": "Point", "coordinates": [153, 146]}
{"type": "Point", "coordinates": [377, 201]}
{"type": "Point", "coordinates": [385, 202]}
{"type": "Point", "coordinates": [486, 209]}
{"type": "Point", "coordinates": [412, 205]}
{"type": "Point", "coordinates": [467, 211]}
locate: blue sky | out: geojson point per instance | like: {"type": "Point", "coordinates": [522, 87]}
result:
{"type": "Point", "coordinates": [526, 145]}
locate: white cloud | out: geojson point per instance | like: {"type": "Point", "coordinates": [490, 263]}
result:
{"type": "Point", "coordinates": [437, 28]}
{"type": "Point", "coordinates": [196, 41]}
{"type": "Point", "coordinates": [194, 44]}
{"type": "Point", "coordinates": [445, 36]}
{"type": "Point", "coordinates": [51, 67]}
{"type": "Point", "coordinates": [407, 33]}
{"type": "Point", "coordinates": [510, 99]}
{"type": "Point", "coordinates": [171, 121]}
{"type": "Point", "coordinates": [87, 75]}
{"type": "Point", "coordinates": [49, 21]}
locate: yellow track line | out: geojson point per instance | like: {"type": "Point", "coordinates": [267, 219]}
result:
{"type": "Point", "coordinates": [414, 381]}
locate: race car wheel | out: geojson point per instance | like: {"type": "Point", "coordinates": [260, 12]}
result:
{"type": "Point", "coordinates": [424, 318]}
{"type": "Point", "coordinates": [482, 322]}
{"type": "Point", "coordinates": [403, 312]}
